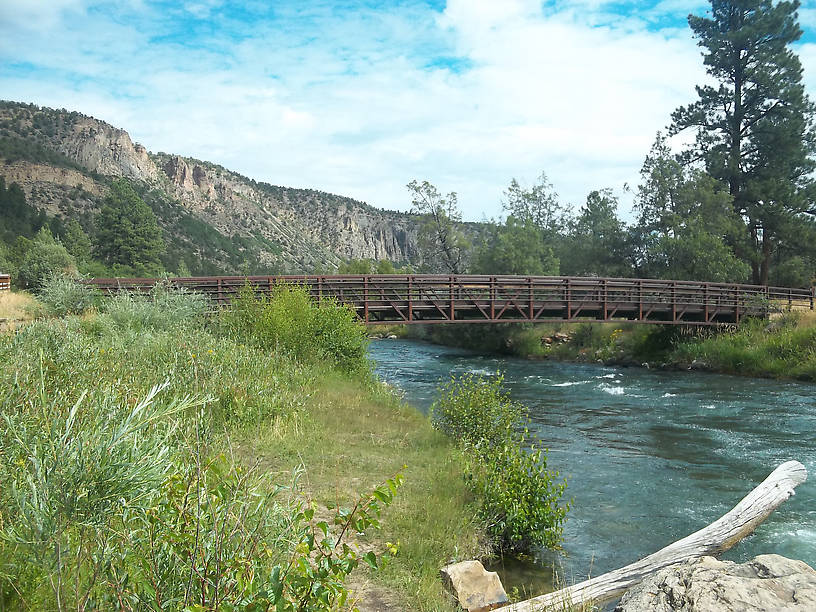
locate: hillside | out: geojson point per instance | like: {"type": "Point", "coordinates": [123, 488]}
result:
{"type": "Point", "coordinates": [213, 219]}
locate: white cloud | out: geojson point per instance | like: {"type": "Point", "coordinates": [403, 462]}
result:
{"type": "Point", "coordinates": [347, 102]}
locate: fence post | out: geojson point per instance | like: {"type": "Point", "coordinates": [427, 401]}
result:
{"type": "Point", "coordinates": [605, 299]}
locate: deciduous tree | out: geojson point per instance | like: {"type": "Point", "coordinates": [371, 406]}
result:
{"type": "Point", "coordinates": [442, 244]}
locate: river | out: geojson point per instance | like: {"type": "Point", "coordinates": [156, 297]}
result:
{"type": "Point", "coordinates": [649, 456]}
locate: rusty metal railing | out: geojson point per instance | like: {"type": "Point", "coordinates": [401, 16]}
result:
{"type": "Point", "coordinates": [424, 298]}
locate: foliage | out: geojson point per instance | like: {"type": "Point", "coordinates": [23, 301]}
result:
{"type": "Point", "coordinates": [44, 258]}
{"type": "Point", "coordinates": [441, 243]}
{"type": "Point", "coordinates": [596, 242]}
{"type": "Point", "coordinates": [78, 468]}
{"type": "Point", "coordinates": [687, 227]}
{"type": "Point", "coordinates": [62, 295]}
{"type": "Point", "coordinates": [76, 241]}
{"type": "Point", "coordinates": [505, 468]}
{"type": "Point", "coordinates": [127, 231]}
{"type": "Point", "coordinates": [288, 320]}
{"type": "Point", "coordinates": [783, 348]}
{"type": "Point", "coordinates": [515, 248]}
{"type": "Point", "coordinates": [754, 126]}
{"type": "Point", "coordinates": [537, 206]}
{"type": "Point", "coordinates": [116, 502]}
{"type": "Point", "coordinates": [163, 308]}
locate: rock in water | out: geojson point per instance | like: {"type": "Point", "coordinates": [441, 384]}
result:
{"type": "Point", "coordinates": [766, 583]}
{"type": "Point", "coordinates": [476, 589]}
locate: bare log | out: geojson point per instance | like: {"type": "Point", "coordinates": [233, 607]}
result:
{"type": "Point", "coordinates": [718, 537]}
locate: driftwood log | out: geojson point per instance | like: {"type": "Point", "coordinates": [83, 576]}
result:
{"type": "Point", "coordinates": [719, 536]}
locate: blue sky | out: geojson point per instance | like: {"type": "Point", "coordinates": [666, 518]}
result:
{"type": "Point", "coordinates": [359, 97]}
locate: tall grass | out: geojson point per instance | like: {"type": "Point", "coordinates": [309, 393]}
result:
{"type": "Point", "coordinates": [118, 488]}
{"type": "Point", "coordinates": [783, 348]}
{"type": "Point", "coordinates": [129, 483]}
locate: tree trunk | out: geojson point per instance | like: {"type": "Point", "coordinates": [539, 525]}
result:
{"type": "Point", "coordinates": [716, 538]}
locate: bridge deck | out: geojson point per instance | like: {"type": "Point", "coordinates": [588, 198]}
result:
{"type": "Point", "coordinates": [421, 298]}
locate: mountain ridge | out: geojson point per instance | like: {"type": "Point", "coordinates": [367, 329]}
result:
{"type": "Point", "coordinates": [65, 161]}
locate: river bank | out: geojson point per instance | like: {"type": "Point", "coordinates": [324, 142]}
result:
{"type": "Point", "coordinates": [783, 348]}
{"type": "Point", "coordinates": [212, 423]}
{"type": "Point", "coordinates": [649, 456]}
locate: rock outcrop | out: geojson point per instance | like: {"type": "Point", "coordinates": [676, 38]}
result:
{"type": "Point", "coordinates": [767, 583]}
{"type": "Point", "coordinates": [291, 230]}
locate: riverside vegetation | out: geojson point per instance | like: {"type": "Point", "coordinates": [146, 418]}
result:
{"type": "Point", "coordinates": [784, 347]}
{"type": "Point", "coordinates": [155, 457]}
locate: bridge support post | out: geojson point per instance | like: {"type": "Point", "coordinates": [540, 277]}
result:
{"type": "Point", "coordinates": [530, 297]}
{"type": "Point", "coordinates": [705, 301]}
{"type": "Point", "coordinates": [568, 299]}
{"type": "Point", "coordinates": [674, 301]}
{"type": "Point", "coordinates": [493, 298]}
{"type": "Point", "coordinates": [410, 299]}
{"type": "Point", "coordinates": [365, 298]}
{"type": "Point", "coordinates": [452, 303]}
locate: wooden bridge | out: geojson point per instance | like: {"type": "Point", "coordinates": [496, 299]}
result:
{"type": "Point", "coordinates": [423, 298]}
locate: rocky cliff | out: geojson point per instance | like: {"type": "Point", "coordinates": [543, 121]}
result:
{"type": "Point", "coordinates": [65, 162]}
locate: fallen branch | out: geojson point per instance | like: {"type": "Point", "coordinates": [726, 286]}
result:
{"type": "Point", "coordinates": [719, 536]}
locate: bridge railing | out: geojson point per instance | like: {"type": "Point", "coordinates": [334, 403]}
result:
{"type": "Point", "coordinates": [471, 298]}
{"type": "Point", "coordinates": [5, 282]}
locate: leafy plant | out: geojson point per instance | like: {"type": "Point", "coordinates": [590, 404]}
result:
{"type": "Point", "coordinates": [505, 467]}
{"type": "Point", "coordinates": [289, 321]}
{"type": "Point", "coordinates": [62, 295]}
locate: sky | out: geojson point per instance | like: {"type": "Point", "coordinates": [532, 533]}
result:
{"type": "Point", "coordinates": [359, 97]}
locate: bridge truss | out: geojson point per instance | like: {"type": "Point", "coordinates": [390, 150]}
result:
{"type": "Point", "coordinates": [424, 299]}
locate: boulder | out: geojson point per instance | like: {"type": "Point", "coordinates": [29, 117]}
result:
{"type": "Point", "coordinates": [767, 582]}
{"type": "Point", "coordinates": [476, 589]}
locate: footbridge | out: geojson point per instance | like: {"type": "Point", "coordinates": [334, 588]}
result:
{"type": "Point", "coordinates": [425, 298]}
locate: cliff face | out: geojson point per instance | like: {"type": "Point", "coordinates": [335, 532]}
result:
{"type": "Point", "coordinates": [65, 162]}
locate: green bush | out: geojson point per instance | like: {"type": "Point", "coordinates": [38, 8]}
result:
{"type": "Point", "coordinates": [289, 321]}
{"type": "Point", "coordinates": [62, 295]}
{"type": "Point", "coordinates": [43, 261]}
{"type": "Point", "coordinates": [164, 307]}
{"type": "Point", "coordinates": [505, 468]}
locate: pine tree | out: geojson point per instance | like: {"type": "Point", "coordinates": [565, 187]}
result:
{"type": "Point", "coordinates": [755, 129]}
{"type": "Point", "coordinates": [128, 233]}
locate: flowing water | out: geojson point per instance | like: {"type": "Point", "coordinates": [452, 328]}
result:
{"type": "Point", "coordinates": [649, 456]}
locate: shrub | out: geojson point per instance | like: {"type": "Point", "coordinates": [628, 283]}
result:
{"type": "Point", "coordinates": [165, 307]}
{"type": "Point", "coordinates": [62, 295]}
{"type": "Point", "coordinates": [42, 261]}
{"type": "Point", "coordinates": [506, 469]}
{"type": "Point", "coordinates": [289, 321]}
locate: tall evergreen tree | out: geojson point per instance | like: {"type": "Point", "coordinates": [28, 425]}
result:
{"type": "Point", "coordinates": [755, 129]}
{"type": "Point", "coordinates": [127, 232]}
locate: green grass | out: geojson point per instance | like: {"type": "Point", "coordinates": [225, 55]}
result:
{"type": "Point", "coordinates": [260, 406]}
{"type": "Point", "coordinates": [348, 439]}
{"type": "Point", "coordinates": [783, 348]}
